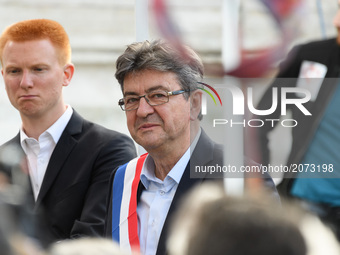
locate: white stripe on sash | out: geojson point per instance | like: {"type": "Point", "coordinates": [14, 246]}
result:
{"type": "Point", "coordinates": [124, 212]}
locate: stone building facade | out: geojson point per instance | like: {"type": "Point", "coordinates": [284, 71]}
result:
{"type": "Point", "coordinates": [99, 31]}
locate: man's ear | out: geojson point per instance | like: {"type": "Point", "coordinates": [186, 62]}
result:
{"type": "Point", "coordinates": [68, 74]}
{"type": "Point", "coordinates": [195, 104]}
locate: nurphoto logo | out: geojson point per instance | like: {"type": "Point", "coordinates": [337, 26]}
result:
{"type": "Point", "coordinates": [280, 99]}
{"type": "Point", "coordinates": [204, 104]}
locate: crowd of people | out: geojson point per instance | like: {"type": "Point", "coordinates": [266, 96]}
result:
{"type": "Point", "coordinates": [69, 186]}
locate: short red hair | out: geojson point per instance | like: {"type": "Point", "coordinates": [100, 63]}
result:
{"type": "Point", "coordinates": [38, 29]}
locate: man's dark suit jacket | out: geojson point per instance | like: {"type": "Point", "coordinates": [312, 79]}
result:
{"type": "Point", "coordinates": [206, 153]}
{"type": "Point", "coordinates": [326, 52]}
{"type": "Point", "coordinates": [72, 199]}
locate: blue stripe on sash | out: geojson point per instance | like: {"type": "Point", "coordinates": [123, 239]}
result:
{"type": "Point", "coordinates": [117, 194]}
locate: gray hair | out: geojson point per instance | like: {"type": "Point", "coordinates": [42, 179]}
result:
{"type": "Point", "coordinates": [161, 56]}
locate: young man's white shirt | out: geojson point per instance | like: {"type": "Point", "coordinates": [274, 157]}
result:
{"type": "Point", "coordinates": [39, 151]}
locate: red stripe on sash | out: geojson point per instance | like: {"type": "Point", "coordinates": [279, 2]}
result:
{"type": "Point", "coordinates": [133, 220]}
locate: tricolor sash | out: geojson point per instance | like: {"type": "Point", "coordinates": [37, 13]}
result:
{"type": "Point", "coordinates": [124, 204]}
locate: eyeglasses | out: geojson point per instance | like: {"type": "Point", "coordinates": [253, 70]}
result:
{"type": "Point", "coordinates": [154, 98]}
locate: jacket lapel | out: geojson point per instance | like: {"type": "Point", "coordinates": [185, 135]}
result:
{"type": "Point", "coordinates": [61, 152]}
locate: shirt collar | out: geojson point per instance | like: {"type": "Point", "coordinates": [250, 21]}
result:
{"type": "Point", "coordinates": [59, 126]}
{"type": "Point", "coordinates": [23, 138]}
{"type": "Point", "coordinates": [55, 130]}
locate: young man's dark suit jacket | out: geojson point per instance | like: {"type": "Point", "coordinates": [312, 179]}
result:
{"type": "Point", "coordinates": [72, 199]}
{"type": "Point", "coordinates": [206, 153]}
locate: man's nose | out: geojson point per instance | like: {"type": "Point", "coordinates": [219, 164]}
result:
{"type": "Point", "coordinates": [144, 108]}
{"type": "Point", "coordinates": [26, 80]}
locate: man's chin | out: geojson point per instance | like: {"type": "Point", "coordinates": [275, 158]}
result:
{"type": "Point", "coordinates": [149, 145]}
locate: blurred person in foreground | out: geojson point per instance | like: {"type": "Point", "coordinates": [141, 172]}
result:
{"type": "Point", "coordinates": [314, 67]}
{"type": "Point", "coordinates": [68, 159]}
{"type": "Point", "coordinates": [13, 212]}
{"type": "Point", "coordinates": [162, 105]}
{"type": "Point", "coordinates": [210, 222]}
{"type": "Point", "coordinates": [86, 246]}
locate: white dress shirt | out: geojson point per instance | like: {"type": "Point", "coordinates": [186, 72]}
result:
{"type": "Point", "coordinates": [39, 151]}
{"type": "Point", "coordinates": [156, 199]}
